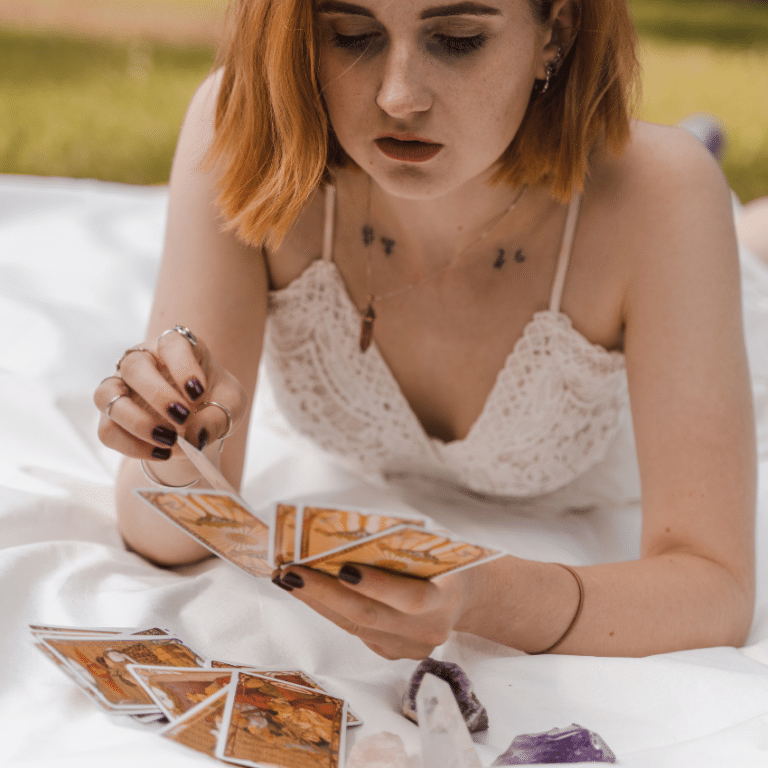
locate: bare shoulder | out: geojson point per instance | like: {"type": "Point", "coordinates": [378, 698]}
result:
{"type": "Point", "coordinates": [663, 205]}
{"type": "Point", "coordinates": [663, 178]}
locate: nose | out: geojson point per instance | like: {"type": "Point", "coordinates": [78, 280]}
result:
{"type": "Point", "coordinates": [403, 89]}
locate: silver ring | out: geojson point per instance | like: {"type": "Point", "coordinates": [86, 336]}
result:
{"type": "Point", "coordinates": [128, 352]}
{"type": "Point", "coordinates": [185, 332]}
{"type": "Point", "coordinates": [228, 415]}
{"type": "Point", "coordinates": [112, 402]}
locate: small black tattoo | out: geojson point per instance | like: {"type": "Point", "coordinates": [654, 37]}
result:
{"type": "Point", "coordinates": [519, 256]}
{"type": "Point", "coordinates": [500, 259]}
{"type": "Point", "coordinates": [388, 245]}
{"type": "Point", "coordinates": [368, 235]}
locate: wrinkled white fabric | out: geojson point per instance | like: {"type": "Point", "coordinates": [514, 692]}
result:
{"type": "Point", "coordinates": [78, 261]}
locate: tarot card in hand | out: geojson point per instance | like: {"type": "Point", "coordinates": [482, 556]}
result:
{"type": "Point", "coordinates": [99, 665]}
{"type": "Point", "coordinates": [408, 550]}
{"type": "Point", "coordinates": [218, 520]}
{"type": "Point", "coordinates": [269, 722]}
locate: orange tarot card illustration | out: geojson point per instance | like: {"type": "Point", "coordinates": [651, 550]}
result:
{"type": "Point", "coordinates": [285, 534]}
{"type": "Point", "coordinates": [178, 690]}
{"type": "Point", "coordinates": [220, 522]}
{"type": "Point", "coordinates": [295, 676]}
{"type": "Point", "coordinates": [102, 665]}
{"type": "Point", "coordinates": [408, 550]}
{"type": "Point", "coordinates": [199, 728]}
{"type": "Point", "coordinates": [323, 530]}
{"type": "Point", "coordinates": [269, 722]}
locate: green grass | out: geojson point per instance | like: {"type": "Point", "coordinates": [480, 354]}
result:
{"type": "Point", "coordinates": [111, 108]}
{"type": "Point", "coordinates": [87, 108]}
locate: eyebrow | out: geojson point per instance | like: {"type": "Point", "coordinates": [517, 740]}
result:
{"type": "Point", "coordinates": [467, 8]}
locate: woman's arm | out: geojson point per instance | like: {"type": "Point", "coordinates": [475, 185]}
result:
{"type": "Point", "coordinates": [217, 287]}
{"type": "Point", "coordinates": [693, 585]}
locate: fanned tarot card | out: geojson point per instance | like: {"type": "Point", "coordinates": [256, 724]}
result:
{"type": "Point", "coordinates": [323, 530]}
{"type": "Point", "coordinates": [220, 522]}
{"type": "Point", "coordinates": [317, 537]}
{"type": "Point", "coordinates": [407, 550]}
{"type": "Point", "coordinates": [269, 722]}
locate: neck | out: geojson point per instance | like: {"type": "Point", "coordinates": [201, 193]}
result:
{"type": "Point", "coordinates": [438, 232]}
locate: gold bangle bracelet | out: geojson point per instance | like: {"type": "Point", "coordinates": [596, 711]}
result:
{"type": "Point", "coordinates": [576, 615]}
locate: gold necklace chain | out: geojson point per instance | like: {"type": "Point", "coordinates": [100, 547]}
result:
{"type": "Point", "coordinates": [367, 315]}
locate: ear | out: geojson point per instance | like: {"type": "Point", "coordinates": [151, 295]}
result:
{"type": "Point", "coordinates": [560, 33]}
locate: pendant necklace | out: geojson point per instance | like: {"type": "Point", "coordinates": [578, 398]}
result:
{"type": "Point", "coordinates": [368, 315]}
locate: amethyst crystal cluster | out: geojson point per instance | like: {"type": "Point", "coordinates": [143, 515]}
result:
{"type": "Point", "coordinates": [473, 712]}
{"type": "Point", "coordinates": [560, 745]}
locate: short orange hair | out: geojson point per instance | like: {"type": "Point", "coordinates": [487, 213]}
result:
{"type": "Point", "coordinates": [274, 145]}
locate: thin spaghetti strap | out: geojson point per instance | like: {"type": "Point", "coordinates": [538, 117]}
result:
{"type": "Point", "coordinates": [330, 209]}
{"type": "Point", "coordinates": [565, 254]}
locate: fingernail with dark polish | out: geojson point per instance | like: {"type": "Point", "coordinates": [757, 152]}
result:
{"type": "Point", "coordinates": [293, 580]}
{"type": "Point", "coordinates": [193, 388]}
{"type": "Point", "coordinates": [350, 574]}
{"type": "Point", "coordinates": [178, 412]}
{"type": "Point", "coordinates": [164, 435]}
{"type": "Point", "coordinates": [276, 581]}
{"type": "Point", "coordinates": [161, 453]}
{"type": "Point", "coordinates": [202, 439]}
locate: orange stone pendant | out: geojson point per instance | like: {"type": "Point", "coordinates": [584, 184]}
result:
{"type": "Point", "coordinates": [366, 325]}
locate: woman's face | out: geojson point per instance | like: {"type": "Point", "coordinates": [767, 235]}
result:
{"type": "Point", "coordinates": [425, 95]}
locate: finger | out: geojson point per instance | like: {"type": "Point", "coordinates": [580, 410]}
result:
{"type": "Point", "coordinates": [115, 437]}
{"type": "Point", "coordinates": [406, 594]}
{"type": "Point", "coordinates": [184, 363]}
{"type": "Point", "coordinates": [140, 372]}
{"type": "Point", "coordinates": [385, 644]}
{"type": "Point", "coordinates": [127, 417]}
{"type": "Point", "coordinates": [363, 616]}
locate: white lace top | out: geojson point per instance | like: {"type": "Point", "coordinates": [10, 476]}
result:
{"type": "Point", "coordinates": [552, 413]}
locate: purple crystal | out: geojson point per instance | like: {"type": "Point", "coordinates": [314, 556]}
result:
{"type": "Point", "coordinates": [473, 712]}
{"type": "Point", "coordinates": [560, 745]}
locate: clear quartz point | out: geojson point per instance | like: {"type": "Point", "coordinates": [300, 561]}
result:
{"type": "Point", "coordinates": [379, 750]}
{"type": "Point", "coordinates": [445, 740]}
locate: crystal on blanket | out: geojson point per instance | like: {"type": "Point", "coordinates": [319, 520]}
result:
{"type": "Point", "coordinates": [573, 744]}
{"type": "Point", "coordinates": [379, 750]}
{"type": "Point", "coordinates": [474, 713]}
{"type": "Point", "coordinates": [445, 743]}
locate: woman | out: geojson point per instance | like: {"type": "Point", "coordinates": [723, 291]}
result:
{"type": "Point", "coordinates": [463, 252]}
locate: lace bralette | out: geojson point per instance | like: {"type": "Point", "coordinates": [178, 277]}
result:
{"type": "Point", "coordinates": [552, 413]}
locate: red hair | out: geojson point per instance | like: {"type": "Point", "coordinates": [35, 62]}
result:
{"type": "Point", "coordinates": [274, 145]}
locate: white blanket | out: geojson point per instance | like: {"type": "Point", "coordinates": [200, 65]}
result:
{"type": "Point", "coordinates": [77, 266]}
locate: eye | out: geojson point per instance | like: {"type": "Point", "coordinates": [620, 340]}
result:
{"type": "Point", "coordinates": [458, 46]}
{"type": "Point", "coordinates": [353, 42]}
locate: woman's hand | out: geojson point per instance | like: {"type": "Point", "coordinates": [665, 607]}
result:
{"type": "Point", "coordinates": [162, 390]}
{"type": "Point", "coordinates": [395, 616]}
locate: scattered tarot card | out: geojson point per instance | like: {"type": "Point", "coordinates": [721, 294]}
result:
{"type": "Point", "coordinates": [99, 665]}
{"type": "Point", "coordinates": [269, 722]}
{"type": "Point", "coordinates": [295, 676]}
{"type": "Point", "coordinates": [199, 728]}
{"type": "Point", "coordinates": [177, 690]}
